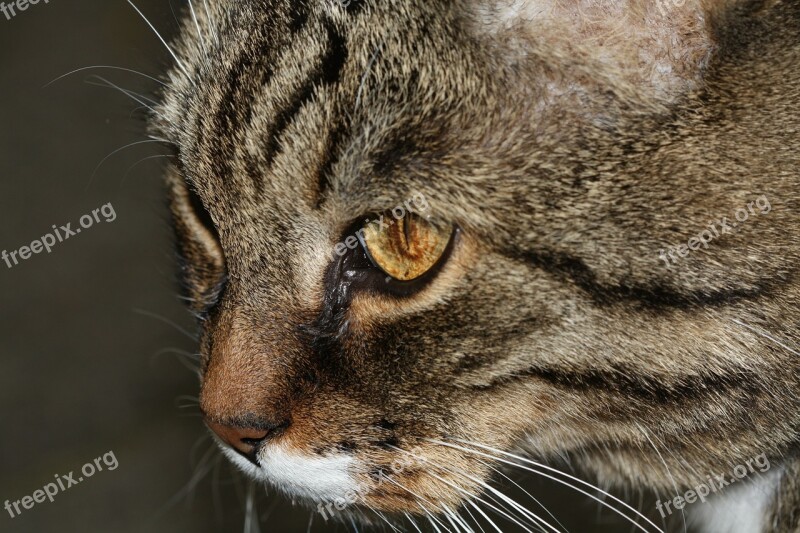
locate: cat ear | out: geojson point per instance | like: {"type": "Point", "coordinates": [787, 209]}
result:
{"type": "Point", "coordinates": [665, 43]}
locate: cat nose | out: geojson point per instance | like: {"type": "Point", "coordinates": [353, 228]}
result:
{"type": "Point", "coordinates": [246, 440]}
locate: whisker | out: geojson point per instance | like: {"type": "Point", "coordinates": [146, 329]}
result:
{"type": "Point", "coordinates": [538, 521]}
{"type": "Point", "coordinates": [551, 469]}
{"type": "Point", "coordinates": [669, 473]}
{"type": "Point", "coordinates": [413, 523]}
{"type": "Point", "coordinates": [108, 67]}
{"type": "Point", "coordinates": [446, 513]}
{"type": "Point", "coordinates": [197, 25]}
{"type": "Point", "coordinates": [380, 515]}
{"type": "Point", "coordinates": [166, 321]}
{"type": "Point", "coordinates": [456, 520]}
{"type": "Point", "coordinates": [430, 519]}
{"type": "Point", "coordinates": [540, 504]}
{"type": "Point", "coordinates": [169, 49]}
{"type": "Point", "coordinates": [216, 492]}
{"type": "Point", "coordinates": [561, 481]}
{"type": "Point", "coordinates": [767, 336]}
{"type": "Point", "coordinates": [422, 498]}
{"type": "Point", "coordinates": [140, 98]}
{"type": "Point", "coordinates": [191, 401]}
{"type": "Point", "coordinates": [433, 520]}
{"type": "Point", "coordinates": [378, 50]}
{"type": "Point", "coordinates": [525, 513]}
{"type": "Point", "coordinates": [160, 156]}
{"type": "Point", "coordinates": [193, 450]}
{"type": "Point", "coordinates": [251, 517]}
{"type": "Point", "coordinates": [477, 523]}
{"type": "Point", "coordinates": [210, 23]}
{"type": "Point", "coordinates": [181, 356]}
{"type": "Point", "coordinates": [484, 516]}
{"type": "Point", "coordinates": [481, 500]}
{"type": "Point", "coordinates": [118, 150]}
{"type": "Point", "coordinates": [201, 471]}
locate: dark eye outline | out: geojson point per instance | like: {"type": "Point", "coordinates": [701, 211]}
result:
{"type": "Point", "coordinates": [360, 271]}
{"type": "Point", "coordinates": [370, 252]}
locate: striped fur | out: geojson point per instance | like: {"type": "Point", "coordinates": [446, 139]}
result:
{"type": "Point", "coordinates": [554, 325]}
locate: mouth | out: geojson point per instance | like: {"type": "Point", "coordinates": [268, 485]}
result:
{"type": "Point", "coordinates": [307, 477]}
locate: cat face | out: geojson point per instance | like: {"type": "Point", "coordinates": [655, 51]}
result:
{"type": "Point", "coordinates": [423, 234]}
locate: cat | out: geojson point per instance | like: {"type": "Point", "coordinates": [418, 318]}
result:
{"type": "Point", "coordinates": [596, 254]}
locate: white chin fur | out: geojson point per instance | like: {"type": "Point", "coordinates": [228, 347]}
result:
{"type": "Point", "coordinates": [317, 478]}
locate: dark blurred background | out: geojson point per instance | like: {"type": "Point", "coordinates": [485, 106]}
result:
{"type": "Point", "coordinates": [96, 344]}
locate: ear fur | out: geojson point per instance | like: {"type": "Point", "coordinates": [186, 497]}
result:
{"type": "Point", "coordinates": [665, 44]}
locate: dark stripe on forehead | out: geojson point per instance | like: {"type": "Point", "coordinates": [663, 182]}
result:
{"type": "Point", "coordinates": [252, 69]}
{"type": "Point", "coordinates": [333, 149]}
{"type": "Point", "coordinates": [327, 73]}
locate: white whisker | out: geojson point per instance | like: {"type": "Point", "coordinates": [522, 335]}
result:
{"type": "Point", "coordinates": [669, 473]}
{"type": "Point", "coordinates": [525, 513]}
{"type": "Point", "coordinates": [166, 321]}
{"type": "Point", "coordinates": [484, 516]}
{"type": "Point", "coordinates": [211, 23]}
{"type": "Point", "coordinates": [481, 500]}
{"type": "Point", "coordinates": [250, 516]}
{"type": "Point", "coordinates": [767, 336]}
{"type": "Point", "coordinates": [169, 49]}
{"type": "Point", "coordinates": [105, 66]}
{"type": "Point", "coordinates": [139, 98]}
{"type": "Point", "coordinates": [205, 466]}
{"type": "Point", "coordinates": [477, 523]}
{"type": "Point", "coordinates": [385, 520]}
{"type": "Point", "coordinates": [455, 516]}
{"type": "Point", "coordinates": [422, 498]}
{"type": "Point", "coordinates": [430, 519]}
{"type": "Point", "coordinates": [160, 156]}
{"type": "Point", "coordinates": [142, 99]}
{"type": "Point", "coordinates": [447, 514]}
{"type": "Point", "coordinates": [538, 521]}
{"type": "Point", "coordinates": [364, 76]}
{"type": "Point", "coordinates": [561, 481]}
{"type": "Point", "coordinates": [413, 523]}
{"type": "Point", "coordinates": [118, 150]}
{"type": "Point", "coordinates": [540, 504]}
{"type": "Point", "coordinates": [197, 25]}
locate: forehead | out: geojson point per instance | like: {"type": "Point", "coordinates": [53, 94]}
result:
{"type": "Point", "coordinates": [313, 105]}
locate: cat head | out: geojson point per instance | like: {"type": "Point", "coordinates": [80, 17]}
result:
{"type": "Point", "coordinates": [423, 233]}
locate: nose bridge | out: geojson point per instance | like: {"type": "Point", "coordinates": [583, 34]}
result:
{"type": "Point", "coordinates": [247, 371]}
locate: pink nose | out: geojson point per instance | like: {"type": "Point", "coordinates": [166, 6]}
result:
{"type": "Point", "coordinates": [245, 440]}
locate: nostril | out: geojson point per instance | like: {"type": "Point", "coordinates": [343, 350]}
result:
{"type": "Point", "coordinates": [246, 440]}
{"type": "Point", "coordinates": [254, 441]}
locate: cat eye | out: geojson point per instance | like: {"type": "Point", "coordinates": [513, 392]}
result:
{"type": "Point", "coordinates": [406, 248]}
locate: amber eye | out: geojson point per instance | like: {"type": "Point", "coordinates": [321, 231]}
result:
{"type": "Point", "coordinates": [406, 248]}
